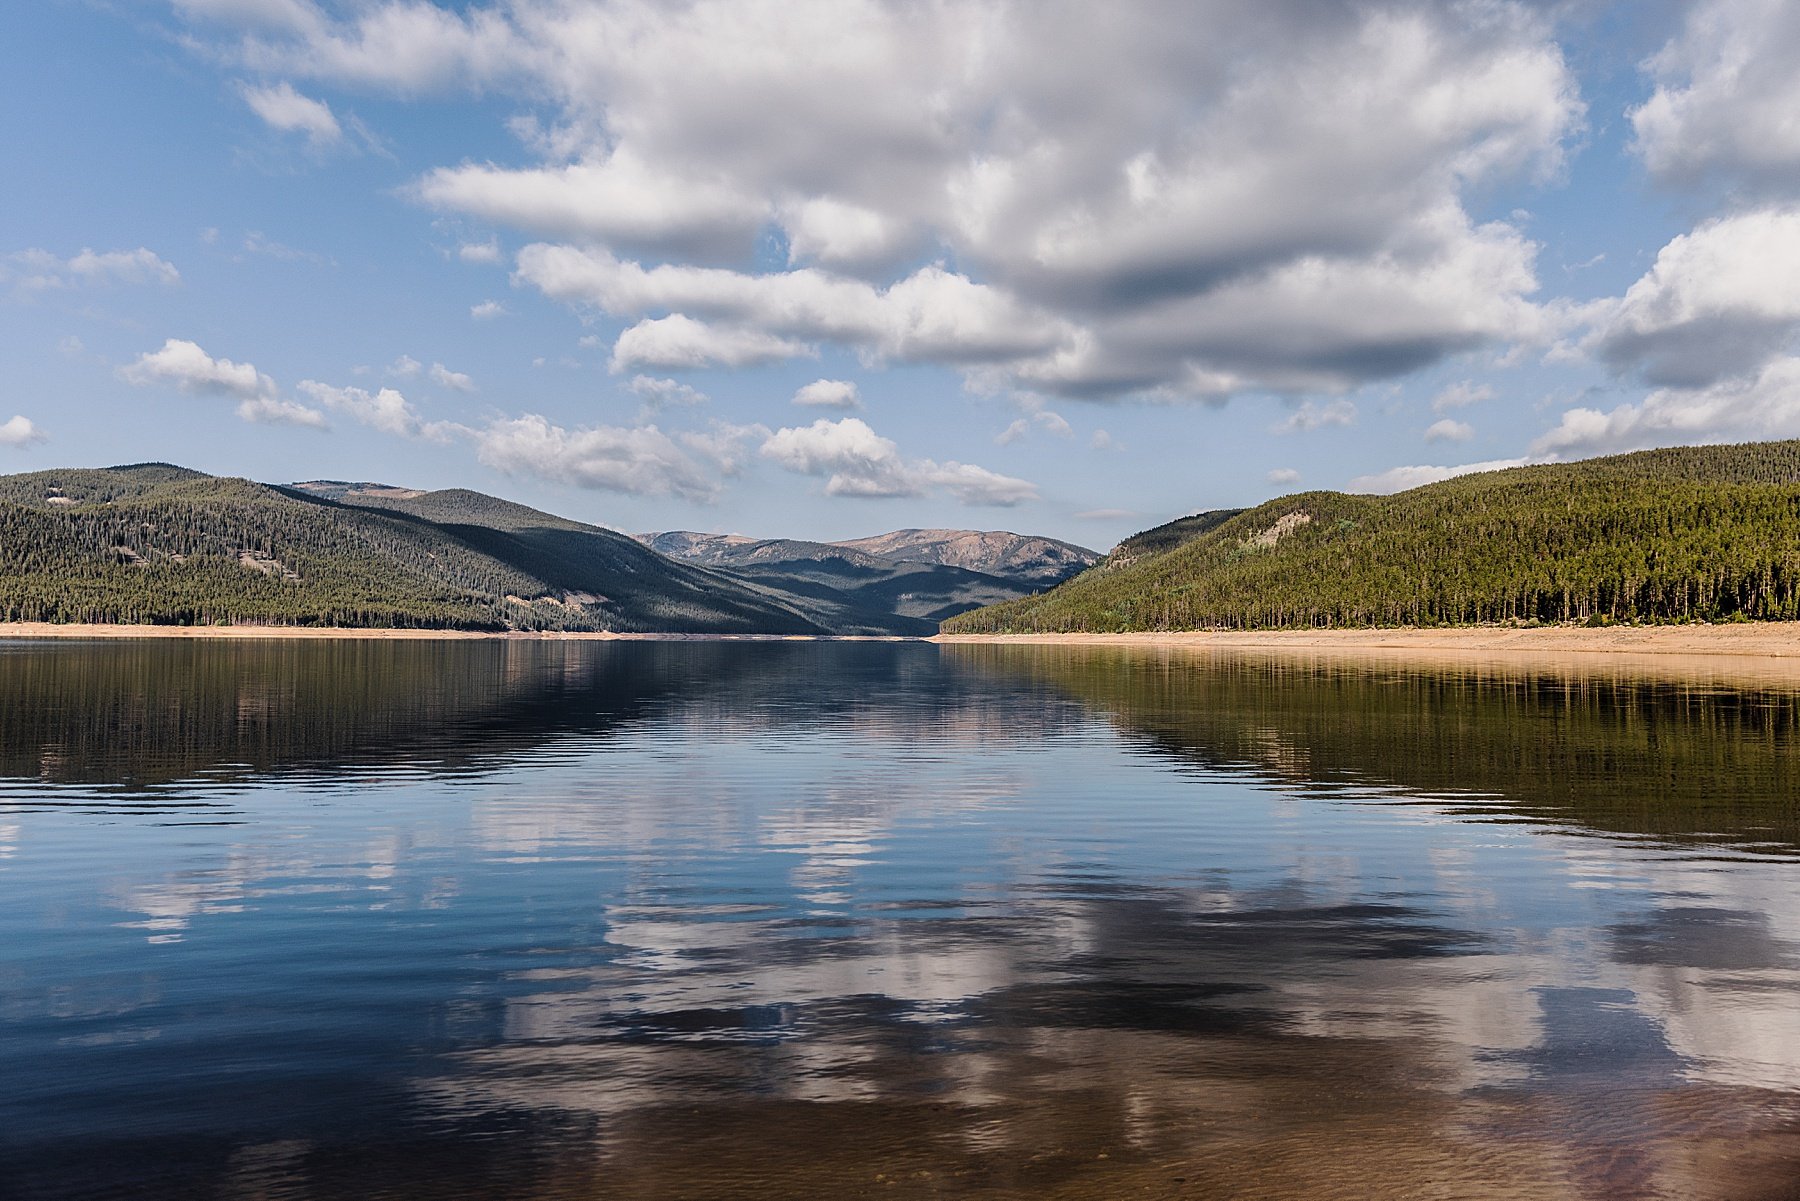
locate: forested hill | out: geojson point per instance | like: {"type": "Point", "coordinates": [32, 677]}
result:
{"type": "Point", "coordinates": [1689, 534]}
{"type": "Point", "coordinates": [152, 543]}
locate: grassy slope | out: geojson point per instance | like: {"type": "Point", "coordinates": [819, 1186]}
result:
{"type": "Point", "coordinates": [1696, 533]}
{"type": "Point", "coordinates": [154, 543]}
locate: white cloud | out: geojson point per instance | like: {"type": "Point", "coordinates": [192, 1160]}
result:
{"type": "Point", "coordinates": [405, 367]}
{"type": "Point", "coordinates": [1726, 94]}
{"type": "Point", "coordinates": [1128, 194]}
{"type": "Point", "coordinates": [284, 109]}
{"type": "Point", "coordinates": [828, 394]}
{"type": "Point", "coordinates": [479, 252]}
{"type": "Point", "coordinates": [1449, 430]}
{"type": "Point", "coordinates": [454, 380]}
{"type": "Point", "coordinates": [661, 393]}
{"type": "Point", "coordinates": [20, 431]}
{"type": "Point", "coordinates": [640, 461]}
{"type": "Point", "coordinates": [1283, 476]}
{"type": "Point", "coordinates": [1460, 396]}
{"type": "Point", "coordinates": [182, 364]}
{"type": "Point", "coordinates": [974, 485]}
{"type": "Point", "coordinates": [487, 310]}
{"type": "Point", "coordinates": [678, 342]}
{"type": "Point", "coordinates": [39, 270]}
{"type": "Point", "coordinates": [1766, 405]}
{"type": "Point", "coordinates": [1038, 418]}
{"type": "Point", "coordinates": [185, 366]}
{"type": "Point", "coordinates": [1312, 415]}
{"type": "Point", "coordinates": [1720, 301]}
{"type": "Point", "coordinates": [856, 461]}
{"type": "Point", "coordinates": [385, 409]}
{"type": "Point", "coordinates": [933, 314]}
{"type": "Point", "coordinates": [275, 410]}
{"type": "Point", "coordinates": [617, 199]}
{"type": "Point", "coordinates": [1399, 479]}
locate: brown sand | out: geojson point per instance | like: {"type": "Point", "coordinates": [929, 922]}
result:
{"type": "Point", "coordinates": [44, 629]}
{"type": "Point", "coordinates": [1772, 639]}
{"type": "Point", "coordinates": [1769, 640]}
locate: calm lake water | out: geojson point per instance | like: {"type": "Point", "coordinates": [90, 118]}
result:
{"type": "Point", "coordinates": [702, 920]}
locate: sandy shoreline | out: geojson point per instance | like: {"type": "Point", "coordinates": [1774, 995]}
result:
{"type": "Point", "coordinates": [1765, 640]}
{"type": "Point", "coordinates": [1768, 640]}
{"type": "Point", "coordinates": [41, 629]}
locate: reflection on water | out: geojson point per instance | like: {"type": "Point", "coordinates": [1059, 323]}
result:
{"type": "Point", "coordinates": [727, 920]}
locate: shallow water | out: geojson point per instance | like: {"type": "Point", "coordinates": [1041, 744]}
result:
{"type": "Point", "coordinates": [549, 920]}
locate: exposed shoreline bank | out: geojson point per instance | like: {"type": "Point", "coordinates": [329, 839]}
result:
{"type": "Point", "coordinates": [1773, 640]}
{"type": "Point", "coordinates": [43, 629]}
{"type": "Point", "coordinates": [1769, 640]}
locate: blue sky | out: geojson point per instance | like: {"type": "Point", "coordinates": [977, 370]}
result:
{"type": "Point", "coordinates": [1060, 268]}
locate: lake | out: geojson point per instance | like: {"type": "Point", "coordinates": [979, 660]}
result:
{"type": "Point", "coordinates": [758, 920]}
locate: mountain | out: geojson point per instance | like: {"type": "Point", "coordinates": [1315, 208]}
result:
{"type": "Point", "coordinates": [1044, 562]}
{"type": "Point", "coordinates": [913, 578]}
{"type": "Point", "coordinates": [1689, 534]}
{"type": "Point", "coordinates": [1166, 537]}
{"type": "Point", "coordinates": [155, 543]}
{"type": "Point", "coordinates": [1025, 558]}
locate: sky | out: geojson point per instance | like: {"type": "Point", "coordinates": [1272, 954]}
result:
{"type": "Point", "coordinates": [824, 268]}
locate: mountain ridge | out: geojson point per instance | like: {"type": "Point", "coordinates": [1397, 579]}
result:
{"type": "Point", "coordinates": [1683, 534]}
{"type": "Point", "coordinates": [159, 544]}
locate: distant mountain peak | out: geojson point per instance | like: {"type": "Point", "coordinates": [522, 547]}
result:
{"type": "Point", "coordinates": [1028, 559]}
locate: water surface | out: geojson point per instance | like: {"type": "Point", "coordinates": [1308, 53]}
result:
{"type": "Point", "coordinates": [701, 920]}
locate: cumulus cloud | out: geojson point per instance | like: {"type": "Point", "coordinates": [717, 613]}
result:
{"type": "Point", "coordinates": [479, 252]}
{"type": "Point", "coordinates": [1765, 405]}
{"type": "Point", "coordinates": [20, 431]}
{"type": "Point", "coordinates": [487, 310]}
{"type": "Point", "coordinates": [1720, 301]}
{"type": "Point", "coordinates": [1043, 419]}
{"type": "Point", "coordinates": [931, 315]}
{"type": "Point", "coordinates": [276, 410]}
{"type": "Point", "coordinates": [1726, 94]}
{"type": "Point", "coordinates": [1449, 430]}
{"type": "Point", "coordinates": [617, 199]}
{"type": "Point", "coordinates": [828, 394]}
{"type": "Point", "coordinates": [856, 461]}
{"type": "Point", "coordinates": [385, 409]}
{"type": "Point", "coordinates": [1283, 476]}
{"type": "Point", "coordinates": [661, 393]}
{"type": "Point", "coordinates": [184, 365]}
{"type": "Point", "coordinates": [456, 381]}
{"type": "Point", "coordinates": [639, 461]}
{"type": "Point", "coordinates": [39, 270]}
{"type": "Point", "coordinates": [282, 108]}
{"type": "Point", "coordinates": [1399, 479]}
{"type": "Point", "coordinates": [1128, 196]}
{"type": "Point", "coordinates": [1460, 396]}
{"type": "Point", "coordinates": [679, 342]}
{"type": "Point", "coordinates": [1316, 415]}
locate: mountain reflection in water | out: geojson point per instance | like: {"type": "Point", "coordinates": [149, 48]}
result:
{"type": "Point", "coordinates": [527, 919]}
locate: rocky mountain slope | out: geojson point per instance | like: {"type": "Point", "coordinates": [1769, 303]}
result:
{"type": "Point", "coordinates": [916, 577]}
